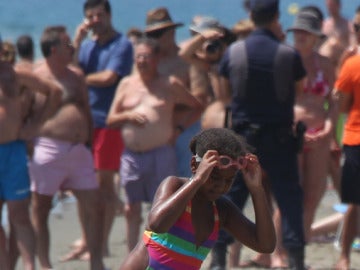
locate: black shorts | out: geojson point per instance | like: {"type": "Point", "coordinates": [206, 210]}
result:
{"type": "Point", "coordinates": [350, 178]}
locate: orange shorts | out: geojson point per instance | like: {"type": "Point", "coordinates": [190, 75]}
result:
{"type": "Point", "coordinates": [107, 149]}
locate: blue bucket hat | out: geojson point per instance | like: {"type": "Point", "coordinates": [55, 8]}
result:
{"type": "Point", "coordinates": [309, 22]}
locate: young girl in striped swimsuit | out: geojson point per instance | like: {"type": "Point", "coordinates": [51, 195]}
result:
{"type": "Point", "coordinates": [187, 213]}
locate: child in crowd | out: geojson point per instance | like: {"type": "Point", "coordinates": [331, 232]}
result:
{"type": "Point", "coordinates": [187, 214]}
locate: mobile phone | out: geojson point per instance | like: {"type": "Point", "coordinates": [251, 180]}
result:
{"type": "Point", "coordinates": [87, 23]}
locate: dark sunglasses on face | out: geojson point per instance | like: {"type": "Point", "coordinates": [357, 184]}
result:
{"type": "Point", "coordinates": [356, 27]}
{"type": "Point", "coordinates": [156, 34]}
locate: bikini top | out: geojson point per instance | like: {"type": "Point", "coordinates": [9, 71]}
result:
{"type": "Point", "coordinates": [319, 86]}
{"type": "Point", "coordinates": [177, 249]}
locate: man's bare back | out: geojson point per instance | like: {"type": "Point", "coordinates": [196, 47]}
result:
{"type": "Point", "coordinates": [10, 104]}
{"type": "Point", "coordinates": [15, 121]}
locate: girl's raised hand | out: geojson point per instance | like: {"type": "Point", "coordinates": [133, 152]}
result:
{"type": "Point", "coordinates": [252, 171]}
{"type": "Point", "coordinates": [207, 164]}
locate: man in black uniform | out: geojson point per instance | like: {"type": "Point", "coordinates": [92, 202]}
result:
{"type": "Point", "coordinates": [263, 76]}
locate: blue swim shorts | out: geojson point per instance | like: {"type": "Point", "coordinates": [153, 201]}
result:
{"type": "Point", "coordinates": [14, 176]}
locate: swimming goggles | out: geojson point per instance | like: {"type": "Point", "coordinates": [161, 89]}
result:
{"type": "Point", "coordinates": [225, 162]}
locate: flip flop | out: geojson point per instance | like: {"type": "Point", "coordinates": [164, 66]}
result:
{"type": "Point", "coordinates": [74, 254]}
{"type": "Point", "coordinates": [253, 264]}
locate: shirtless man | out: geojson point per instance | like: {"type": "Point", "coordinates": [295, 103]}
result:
{"type": "Point", "coordinates": [160, 26]}
{"type": "Point", "coordinates": [16, 126]}
{"type": "Point", "coordinates": [62, 160]}
{"type": "Point", "coordinates": [355, 47]}
{"type": "Point", "coordinates": [143, 109]}
{"type": "Point", "coordinates": [338, 32]}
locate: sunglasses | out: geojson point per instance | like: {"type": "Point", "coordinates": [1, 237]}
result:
{"type": "Point", "coordinates": [225, 162]}
{"type": "Point", "coordinates": [144, 56]}
{"type": "Point", "coordinates": [356, 27]}
{"type": "Point", "coordinates": [157, 34]}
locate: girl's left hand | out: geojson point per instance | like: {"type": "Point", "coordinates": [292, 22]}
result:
{"type": "Point", "coordinates": [252, 171]}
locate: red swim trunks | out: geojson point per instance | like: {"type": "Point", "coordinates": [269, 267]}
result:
{"type": "Point", "coordinates": [107, 149]}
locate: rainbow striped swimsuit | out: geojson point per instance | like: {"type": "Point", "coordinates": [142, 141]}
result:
{"type": "Point", "coordinates": [176, 249]}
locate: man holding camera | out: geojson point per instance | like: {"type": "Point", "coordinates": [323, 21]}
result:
{"type": "Point", "coordinates": [203, 51]}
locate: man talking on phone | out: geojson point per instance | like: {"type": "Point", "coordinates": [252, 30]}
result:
{"type": "Point", "coordinates": [105, 56]}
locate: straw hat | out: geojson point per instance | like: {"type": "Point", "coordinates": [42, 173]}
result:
{"type": "Point", "coordinates": [158, 19]}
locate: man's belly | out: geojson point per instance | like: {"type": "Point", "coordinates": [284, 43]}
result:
{"type": "Point", "coordinates": [69, 124]}
{"type": "Point", "coordinates": [147, 137]}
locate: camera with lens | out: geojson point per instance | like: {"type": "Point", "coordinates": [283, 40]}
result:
{"type": "Point", "coordinates": [213, 46]}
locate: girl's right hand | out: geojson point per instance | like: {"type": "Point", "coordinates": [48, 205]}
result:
{"type": "Point", "coordinates": [207, 164]}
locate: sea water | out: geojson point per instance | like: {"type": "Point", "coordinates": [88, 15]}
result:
{"type": "Point", "coordinates": [19, 17]}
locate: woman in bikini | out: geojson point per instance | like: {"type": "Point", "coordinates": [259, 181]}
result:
{"type": "Point", "coordinates": [187, 213]}
{"type": "Point", "coordinates": [315, 107]}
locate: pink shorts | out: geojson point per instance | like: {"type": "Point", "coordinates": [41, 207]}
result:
{"type": "Point", "coordinates": [60, 165]}
{"type": "Point", "coordinates": [107, 148]}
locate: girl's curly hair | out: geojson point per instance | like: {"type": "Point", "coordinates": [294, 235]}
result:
{"type": "Point", "coordinates": [223, 140]}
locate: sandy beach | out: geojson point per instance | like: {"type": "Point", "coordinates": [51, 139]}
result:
{"type": "Point", "coordinates": [65, 229]}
